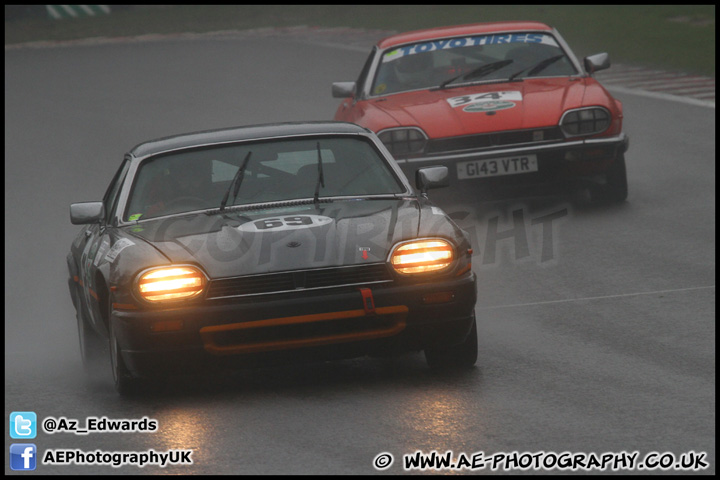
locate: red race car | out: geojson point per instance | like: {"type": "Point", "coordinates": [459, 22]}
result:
{"type": "Point", "coordinates": [503, 104]}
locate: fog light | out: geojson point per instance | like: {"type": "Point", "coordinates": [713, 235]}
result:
{"type": "Point", "coordinates": [571, 156]}
{"type": "Point", "coordinates": [596, 153]}
{"type": "Point", "coordinates": [438, 297]}
{"type": "Point", "coordinates": [167, 326]}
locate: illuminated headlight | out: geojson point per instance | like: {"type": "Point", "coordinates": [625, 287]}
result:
{"type": "Point", "coordinates": [422, 256]}
{"type": "Point", "coordinates": [170, 283]}
{"type": "Point", "coordinates": [403, 141]}
{"type": "Point", "coordinates": [586, 121]}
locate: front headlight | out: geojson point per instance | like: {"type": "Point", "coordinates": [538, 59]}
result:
{"type": "Point", "coordinates": [403, 141]}
{"type": "Point", "coordinates": [585, 121]}
{"type": "Point", "coordinates": [170, 283]}
{"type": "Point", "coordinates": [422, 256]}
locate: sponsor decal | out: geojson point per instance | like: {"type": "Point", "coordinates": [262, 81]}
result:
{"type": "Point", "coordinates": [380, 88]}
{"type": "Point", "coordinates": [449, 43]}
{"type": "Point", "coordinates": [101, 251]}
{"type": "Point", "coordinates": [437, 211]}
{"type": "Point", "coordinates": [486, 102]}
{"type": "Point", "coordinates": [118, 247]}
{"type": "Point", "coordinates": [490, 106]}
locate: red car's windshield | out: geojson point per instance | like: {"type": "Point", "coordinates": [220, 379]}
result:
{"type": "Point", "coordinates": [459, 60]}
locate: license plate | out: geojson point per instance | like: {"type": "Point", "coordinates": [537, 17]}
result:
{"type": "Point", "coordinates": [497, 166]}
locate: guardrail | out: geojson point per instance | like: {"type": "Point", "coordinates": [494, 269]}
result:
{"type": "Point", "coordinates": [58, 12]}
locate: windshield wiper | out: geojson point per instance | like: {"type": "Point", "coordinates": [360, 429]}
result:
{"type": "Point", "coordinates": [537, 68]}
{"type": "Point", "coordinates": [237, 180]}
{"type": "Point", "coordinates": [479, 72]}
{"type": "Point", "coordinates": [321, 177]}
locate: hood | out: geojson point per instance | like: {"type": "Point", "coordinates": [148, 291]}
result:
{"type": "Point", "coordinates": [532, 103]}
{"type": "Point", "coordinates": [344, 232]}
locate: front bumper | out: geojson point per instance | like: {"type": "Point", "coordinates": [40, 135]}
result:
{"type": "Point", "coordinates": [558, 163]}
{"type": "Point", "coordinates": [294, 327]}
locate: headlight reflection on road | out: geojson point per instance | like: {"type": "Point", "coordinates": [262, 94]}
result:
{"type": "Point", "coordinates": [440, 421]}
{"type": "Point", "coordinates": [185, 429]}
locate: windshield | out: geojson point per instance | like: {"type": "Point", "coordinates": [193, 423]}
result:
{"type": "Point", "coordinates": [274, 171]}
{"type": "Point", "coordinates": [457, 61]}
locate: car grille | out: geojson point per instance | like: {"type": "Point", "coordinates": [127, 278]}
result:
{"type": "Point", "coordinates": [491, 140]}
{"type": "Point", "coordinates": [300, 279]}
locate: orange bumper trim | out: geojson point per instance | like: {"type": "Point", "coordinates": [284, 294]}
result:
{"type": "Point", "coordinates": [396, 325]}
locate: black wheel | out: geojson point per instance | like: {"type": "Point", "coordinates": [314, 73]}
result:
{"type": "Point", "coordinates": [125, 383]}
{"type": "Point", "coordinates": [461, 356]}
{"type": "Point", "coordinates": [616, 187]}
{"type": "Point", "coordinates": [92, 348]}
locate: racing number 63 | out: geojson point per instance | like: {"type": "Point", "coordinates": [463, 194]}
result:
{"type": "Point", "coordinates": [283, 222]}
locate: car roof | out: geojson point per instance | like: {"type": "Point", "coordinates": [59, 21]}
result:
{"type": "Point", "coordinates": [243, 133]}
{"type": "Point", "coordinates": [453, 31]}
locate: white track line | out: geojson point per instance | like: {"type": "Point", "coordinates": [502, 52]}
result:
{"type": "Point", "coordinates": [620, 295]}
{"type": "Point", "coordinates": [661, 96]}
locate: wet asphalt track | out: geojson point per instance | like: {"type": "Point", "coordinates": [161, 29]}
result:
{"type": "Point", "coordinates": [597, 331]}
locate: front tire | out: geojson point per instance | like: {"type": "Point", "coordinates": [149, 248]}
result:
{"type": "Point", "coordinates": [616, 187]}
{"type": "Point", "coordinates": [92, 349]}
{"type": "Point", "coordinates": [125, 383]}
{"type": "Point", "coordinates": [460, 356]}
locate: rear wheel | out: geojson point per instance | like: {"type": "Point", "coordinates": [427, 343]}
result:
{"type": "Point", "coordinates": [460, 356]}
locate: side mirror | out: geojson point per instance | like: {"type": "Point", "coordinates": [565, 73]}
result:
{"type": "Point", "coordinates": [431, 177]}
{"type": "Point", "coordinates": [597, 62]}
{"type": "Point", "coordinates": [343, 89]}
{"type": "Point", "coordinates": [86, 212]}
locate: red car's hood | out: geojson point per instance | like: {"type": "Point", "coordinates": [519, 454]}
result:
{"type": "Point", "coordinates": [493, 107]}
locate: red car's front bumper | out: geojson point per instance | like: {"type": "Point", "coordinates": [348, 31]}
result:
{"type": "Point", "coordinates": [565, 163]}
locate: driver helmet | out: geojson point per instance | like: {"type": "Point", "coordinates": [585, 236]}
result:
{"type": "Point", "coordinates": [191, 176]}
{"type": "Point", "coordinates": [413, 68]}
